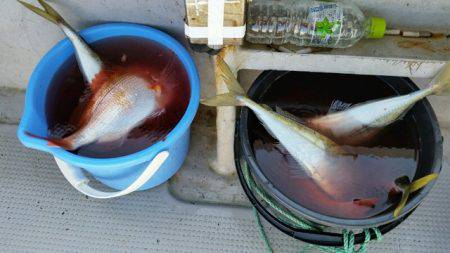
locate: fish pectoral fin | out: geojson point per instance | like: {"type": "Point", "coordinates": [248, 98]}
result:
{"type": "Point", "coordinates": [365, 129]}
{"type": "Point", "coordinates": [338, 105]}
{"type": "Point", "coordinates": [155, 87]}
{"type": "Point", "coordinates": [295, 170]}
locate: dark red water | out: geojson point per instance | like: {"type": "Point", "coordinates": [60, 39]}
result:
{"type": "Point", "coordinates": [371, 175]}
{"type": "Point", "coordinates": [68, 87]}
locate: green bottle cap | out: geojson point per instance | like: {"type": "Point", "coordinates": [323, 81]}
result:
{"type": "Point", "coordinates": [377, 28]}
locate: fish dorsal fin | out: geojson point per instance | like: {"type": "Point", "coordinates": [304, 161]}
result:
{"type": "Point", "coordinates": [288, 115]}
{"type": "Point", "coordinates": [338, 105]}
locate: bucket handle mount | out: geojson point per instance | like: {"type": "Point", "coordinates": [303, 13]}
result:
{"type": "Point", "coordinates": [79, 181]}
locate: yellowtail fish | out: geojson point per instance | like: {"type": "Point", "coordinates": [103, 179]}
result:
{"type": "Point", "coordinates": [321, 157]}
{"type": "Point", "coordinates": [335, 169]}
{"type": "Point", "coordinates": [119, 98]}
{"type": "Point", "coordinates": [359, 122]}
{"type": "Point", "coordinates": [89, 62]}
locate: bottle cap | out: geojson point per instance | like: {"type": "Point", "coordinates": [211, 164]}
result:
{"type": "Point", "coordinates": [377, 28]}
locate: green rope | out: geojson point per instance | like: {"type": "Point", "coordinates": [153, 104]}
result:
{"type": "Point", "coordinates": [307, 247]}
{"type": "Point", "coordinates": [262, 233]}
{"type": "Point", "coordinates": [347, 236]}
{"type": "Point", "coordinates": [299, 223]}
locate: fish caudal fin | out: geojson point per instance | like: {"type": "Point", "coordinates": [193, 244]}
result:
{"type": "Point", "coordinates": [235, 89]}
{"type": "Point", "coordinates": [410, 188]}
{"type": "Point", "coordinates": [48, 12]}
{"type": "Point", "coordinates": [441, 82]}
{"type": "Point", "coordinates": [227, 75]}
{"type": "Point", "coordinates": [65, 143]}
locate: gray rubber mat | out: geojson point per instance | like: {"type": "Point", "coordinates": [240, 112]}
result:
{"type": "Point", "coordinates": [41, 212]}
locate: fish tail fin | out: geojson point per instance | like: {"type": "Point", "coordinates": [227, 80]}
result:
{"type": "Point", "coordinates": [236, 93]}
{"type": "Point", "coordinates": [48, 12]}
{"type": "Point", "coordinates": [65, 143]}
{"type": "Point", "coordinates": [228, 77]}
{"type": "Point", "coordinates": [410, 188]}
{"type": "Point", "coordinates": [441, 82]}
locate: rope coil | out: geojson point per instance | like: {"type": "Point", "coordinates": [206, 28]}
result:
{"type": "Point", "coordinates": [347, 236]}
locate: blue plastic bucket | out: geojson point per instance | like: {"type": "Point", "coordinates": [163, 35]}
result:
{"type": "Point", "coordinates": [118, 172]}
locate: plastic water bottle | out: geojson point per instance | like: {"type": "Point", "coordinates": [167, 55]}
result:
{"type": "Point", "coordinates": [310, 23]}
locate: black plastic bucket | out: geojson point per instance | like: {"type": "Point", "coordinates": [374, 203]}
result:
{"type": "Point", "coordinates": [429, 161]}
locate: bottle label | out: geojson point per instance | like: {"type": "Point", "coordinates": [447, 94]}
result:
{"type": "Point", "coordinates": [324, 21]}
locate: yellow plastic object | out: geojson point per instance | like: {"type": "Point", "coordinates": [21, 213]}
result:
{"type": "Point", "coordinates": [377, 28]}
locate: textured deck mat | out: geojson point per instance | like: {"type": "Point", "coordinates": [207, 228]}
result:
{"type": "Point", "coordinates": [40, 212]}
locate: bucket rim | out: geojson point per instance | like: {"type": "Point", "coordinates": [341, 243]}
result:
{"type": "Point", "coordinates": [93, 34]}
{"type": "Point", "coordinates": [323, 219]}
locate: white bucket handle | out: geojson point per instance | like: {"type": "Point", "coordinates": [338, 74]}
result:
{"type": "Point", "coordinates": [78, 180]}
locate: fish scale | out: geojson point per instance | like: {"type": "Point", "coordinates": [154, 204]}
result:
{"type": "Point", "coordinates": [121, 109]}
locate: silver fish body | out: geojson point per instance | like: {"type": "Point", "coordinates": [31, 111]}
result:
{"type": "Point", "coordinates": [89, 62]}
{"type": "Point", "coordinates": [119, 107]}
{"type": "Point", "coordinates": [308, 147]}
{"type": "Point", "coordinates": [335, 169]}
{"type": "Point", "coordinates": [359, 119]}
{"type": "Point", "coordinates": [362, 121]}
{"type": "Point", "coordinates": [322, 159]}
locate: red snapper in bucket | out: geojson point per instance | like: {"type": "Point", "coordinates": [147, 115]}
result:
{"type": "Point", "coordinates": [117, 99]}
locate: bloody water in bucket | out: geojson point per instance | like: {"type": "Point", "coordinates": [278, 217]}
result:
{"type": "Point", "coordinates": [68, 89]}
{"type": "Point", "coordinates": [392, 154]}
